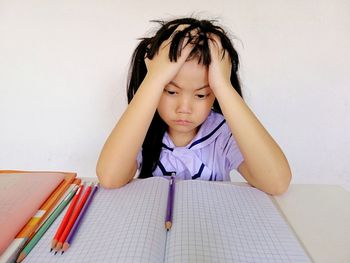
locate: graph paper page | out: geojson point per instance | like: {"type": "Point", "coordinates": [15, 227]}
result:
{"type": "Point", "coordinates": [215, 222]}
{"type": "Point", "coordinates": [122, 225]}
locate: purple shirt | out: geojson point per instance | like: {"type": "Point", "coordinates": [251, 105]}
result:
{"type": "Point", "coordinates": [211, 155]}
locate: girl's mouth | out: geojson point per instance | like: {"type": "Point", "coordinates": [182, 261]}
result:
{"type": "Point", "coordinates": [183, 122]}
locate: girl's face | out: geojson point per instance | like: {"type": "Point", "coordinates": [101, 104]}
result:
{"type": "Point", "coordinates": [186, 102]}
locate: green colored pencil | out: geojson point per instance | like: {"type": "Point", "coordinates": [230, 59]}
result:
{"type": "Point", "coordinates": [46, 225]}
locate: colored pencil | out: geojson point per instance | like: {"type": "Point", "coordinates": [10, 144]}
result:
{"type": "Point", "coordinates": [66, 217]}
{"type": "Point", "coordinates": [170, 204]}
{"type": "Point", "coordinates": [72, 219]}
{"type": "Point", "coordinates": [46, 225]}
{"type": "Point", "coordinates": [77, 223]}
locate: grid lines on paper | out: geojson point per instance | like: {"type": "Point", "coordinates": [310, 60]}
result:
{"type": "Point", "coordinates": [121, 225]}
{"type": "Point", "coordinates": [216, 222]}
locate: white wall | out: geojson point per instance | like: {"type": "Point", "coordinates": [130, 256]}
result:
{"type": "Point", "coordinates": [63, 67]}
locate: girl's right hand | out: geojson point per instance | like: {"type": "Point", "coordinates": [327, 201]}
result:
{"type": "Point", "coordinates": [160, 68]}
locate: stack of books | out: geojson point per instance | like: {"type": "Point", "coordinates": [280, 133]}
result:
{"type": "Point", "coordinates": [30, 202]}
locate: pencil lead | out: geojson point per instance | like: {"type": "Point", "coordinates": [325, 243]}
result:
{"type": "Point", "coordinates": [62, 252]}
{"type": "Point", "coordinates": [20, 257]}
{"type": "Point", "coordinates": [56, 252]}
{"type": "Point", "coordinates": [51, 250]}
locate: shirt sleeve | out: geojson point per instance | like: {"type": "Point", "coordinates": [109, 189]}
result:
{"type": "Point", "coordinates": [139, 160]}
{"type": "Point", "coordinates": [232, 153]}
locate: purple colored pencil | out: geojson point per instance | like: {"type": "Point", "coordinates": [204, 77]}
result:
{"type": "Point", "coordinates": [170, 204]}
{"type": "Point", "coordinates": [77, 222]}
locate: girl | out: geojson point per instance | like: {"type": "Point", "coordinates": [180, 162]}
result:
{"type": "Point", "coordinates": [186, 115]}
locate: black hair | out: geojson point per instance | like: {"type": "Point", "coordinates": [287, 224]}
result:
{"type": "Point", "coordinates": [149, 46]}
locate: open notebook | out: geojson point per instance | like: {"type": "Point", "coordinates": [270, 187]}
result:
{"type": "Point", "coordinates": [212, 222]}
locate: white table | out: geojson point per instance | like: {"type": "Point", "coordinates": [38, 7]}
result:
{"type": "Point", "coordinates": [320, 217]}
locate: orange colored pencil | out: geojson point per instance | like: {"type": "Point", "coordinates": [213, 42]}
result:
{"type": "Point", "coordinates": [73, 218]}
{"type": "Point", "coordinates": [66, 217]}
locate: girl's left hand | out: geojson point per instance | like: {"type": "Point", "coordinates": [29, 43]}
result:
{"type": "Point", "coordinates": [219, 72]}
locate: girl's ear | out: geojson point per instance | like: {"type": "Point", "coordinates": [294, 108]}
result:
{"type": "Point", "coordinates": [147, 50]}
{"type": "Point", "coordinates": [146, 60]}
{"type": "Point", "coordinates": [147, 55]}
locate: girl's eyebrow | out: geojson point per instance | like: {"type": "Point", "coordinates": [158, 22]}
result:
{"type": "Point", "coordinates": [203, 87]}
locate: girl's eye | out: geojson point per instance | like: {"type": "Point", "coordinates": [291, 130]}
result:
{"type": "Point", "coordinates": [170, 92]}
{"type": "Point", "coordinates": [201, 96]}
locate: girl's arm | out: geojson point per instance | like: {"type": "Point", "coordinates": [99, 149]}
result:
{"type": "Point", "coordinates": [117, 162]}
{"type": "Point", "coordinates": [264, 166]}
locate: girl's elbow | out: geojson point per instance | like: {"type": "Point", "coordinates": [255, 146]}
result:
{"type": "Point", "coordinates": [111, 179]}
{"type": "Point", "coordinates": [279, 190]}
{"type": "Point", "coordinates": [108, 180]}
{"type": "Point", "coordinates": [283, 182]}
{"type": "Point", "coordinates": [111, 184]}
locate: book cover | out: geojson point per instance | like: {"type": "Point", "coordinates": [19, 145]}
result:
{"type": "Point", "coordinates": [25, 200]}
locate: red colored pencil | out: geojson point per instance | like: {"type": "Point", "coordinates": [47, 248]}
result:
{"type": "Point", "coordinates": [73, 218]}
{"type": "Point", "coordinates": [66, 217]}
{"type": "Point", "coordinates": [75, 227]}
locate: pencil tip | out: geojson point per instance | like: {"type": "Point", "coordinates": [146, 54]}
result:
{"type": "Point", "coordinates": [168, 225]}
{"type": "Point", "coordinates": [51, 250]}
{"type": "Point", "coordinates": [56, 252]}
{"type": "Point", "coordinates": [62, 252]}
{"type": "Point", "coordinates": [20, 257]}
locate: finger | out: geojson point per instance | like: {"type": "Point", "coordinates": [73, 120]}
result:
{"type": "Point", "coordinates": [178, 29]}
{"type": "Point", "coordinates": [216, 46]}
{"type": "Point", "coordinates": [190, 36]}
{"type": "Point", "coordinates": [214, 40]}
{"type": "Point", "coordinates": [213, 47]}
{"type": "Point", "coordinates": [186, 40]}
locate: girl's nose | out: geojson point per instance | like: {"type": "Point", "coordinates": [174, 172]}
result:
{"type": "Point", "coordinates": [184, 105]}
